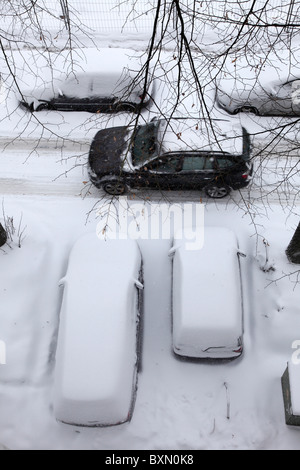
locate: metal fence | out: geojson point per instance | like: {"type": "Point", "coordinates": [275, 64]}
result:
{"type": "Point", "coordinates": [94, 16]}
{"type": "Point", "coordinates": [129, 16]}
{"type": "Point", "coordinates": [115, 17]}
{"type": "Point", "coordinates": [262, 12]}
{"type": "Point", "coordinates": [101, 16]}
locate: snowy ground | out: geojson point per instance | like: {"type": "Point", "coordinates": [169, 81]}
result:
{"type": "Point", "coordinates": [181, 405]}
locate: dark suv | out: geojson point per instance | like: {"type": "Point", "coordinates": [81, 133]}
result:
{"type": "Point", "coordinates": [173, 155]}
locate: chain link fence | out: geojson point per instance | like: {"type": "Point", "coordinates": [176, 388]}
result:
{"type": "Point", "coordinates": [90, 17]}
{"type": "Point", "coordinates": [262, 12]}
{"type": "Point", "coordinates": [99, 16]}
{"type": "Point", "coordinates": [26, 19]}
{"type": "Point", "coordinates": [131, 16]}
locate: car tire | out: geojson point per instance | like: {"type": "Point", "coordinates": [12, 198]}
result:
{"type": "Point", "coordinates": [247, 109]}
{"type": "Point", "coordinates": [126, 107]}
{"type": "Point", "coordinates": [217, 191]}
{"type": "Point", "coordinates": [114, 187]}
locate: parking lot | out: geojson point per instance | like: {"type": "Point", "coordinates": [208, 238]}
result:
{"type": "Point", "coordinates": [181, 404]}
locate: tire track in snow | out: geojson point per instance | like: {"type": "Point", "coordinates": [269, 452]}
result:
{"type": "Point", "coordinates": [12, 186]}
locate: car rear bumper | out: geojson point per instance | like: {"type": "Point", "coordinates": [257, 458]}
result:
{"type": "Point", "coordinates": [210, 353]}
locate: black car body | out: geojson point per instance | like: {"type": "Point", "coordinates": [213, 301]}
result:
{"type": "Point", "coordinates": [172, 155]}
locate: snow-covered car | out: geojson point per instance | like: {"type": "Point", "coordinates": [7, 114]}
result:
{"type": "Point", "coordinates": [172, 154]}
{"type": "Point", "coordinates": [105, 80]}
{"type": "Point", "coordinates": [207, 300]}
{"type": "Point", "coordinates": [99, 341]}
{"type": "Point", "coordinates": [267, 87]}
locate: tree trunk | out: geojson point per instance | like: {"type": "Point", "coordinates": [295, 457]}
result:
{"type": "Point", "coordinates": [293, 250]}
{"type": "Point", "coordinates": [3, 236]}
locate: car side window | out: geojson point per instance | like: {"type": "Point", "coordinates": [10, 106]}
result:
{"type": "Point", "coordinates": [223, 163]}
{"type": "Point", "coordinates": [197, 163]}
{"type": "Point", "coordinates": [165, 164]}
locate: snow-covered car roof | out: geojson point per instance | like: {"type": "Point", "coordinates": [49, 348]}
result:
{"type": "Point", "coordinates": [40, 76]}
{"type": "Point", "coordinates": [96, 354]}
{"type": "Point", "coordinates": [216, 135]}
{"type": "Point", "coordinates": [207, 306]}
{"type": "Point", "coordinates": [102, 84]}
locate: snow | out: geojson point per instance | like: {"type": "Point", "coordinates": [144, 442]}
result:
{"type": "Point", "coordinates": [207, 304]}
{"type": "Point", "coordinates": [188, 134]}
{"type": "Point", "coordinates": [180, 405]}
{"type": "Point", "coordinates": [294, 378]}
{"type": "Point", "coordinates": [103, 72]}
{"type": "Point", "coordinates": [96, 351]}
{"type": "Point", "coordinates": [249, 79]}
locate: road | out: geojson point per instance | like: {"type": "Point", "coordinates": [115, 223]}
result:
{"type": "Point", "coordinates": [53, 169]}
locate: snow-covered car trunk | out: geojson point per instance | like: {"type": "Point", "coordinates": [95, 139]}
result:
{"type": "Point", "coordinates": [96, 360]}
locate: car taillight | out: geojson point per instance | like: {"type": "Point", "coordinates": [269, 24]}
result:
{"type": "Point", "coordinates": [245, 176]}
{"type": "Point", "coordinates": [238, 351]}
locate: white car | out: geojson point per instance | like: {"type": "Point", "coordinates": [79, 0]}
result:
{"type": "Point", "coordinates": [207, 305]}
{"type": "Point", "coordinates": [265, 86]}
{"type": "Point", "coordinates": [99, 345]}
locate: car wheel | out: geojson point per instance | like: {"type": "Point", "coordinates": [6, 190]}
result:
{"type": "Point", "coordinates": [247, 109]}
{"type": "Point", "coordinates": [42, 107]}
{"type": "Point", "coordinates": [114, 188]}
{"type": "Point", "coordinates": [126, 107]}
{"type": "Point", "coordinates": [217, 191]}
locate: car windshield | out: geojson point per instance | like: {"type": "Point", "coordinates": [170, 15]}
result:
{"type": "Point", "coordinates": [144, 143]}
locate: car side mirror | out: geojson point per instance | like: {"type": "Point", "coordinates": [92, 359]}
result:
{"type": "Point", "coordinates": [241, 254]}
{"type": "Point", "coordinates": [139, 285]}
{"type": "Point", "coordinates": [172, 251]}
